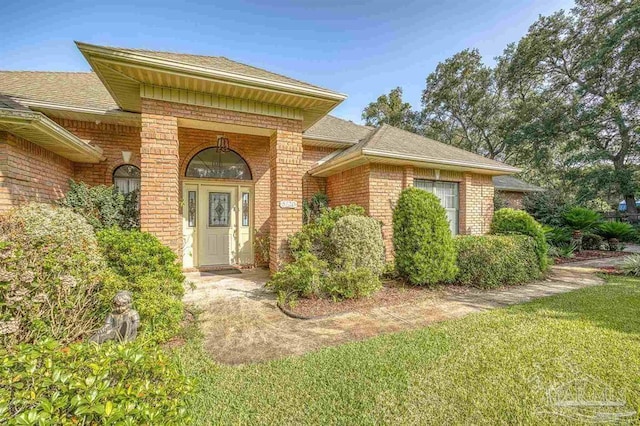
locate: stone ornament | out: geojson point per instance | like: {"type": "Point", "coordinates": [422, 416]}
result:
{"type": "Point", "coordinates": [122, 323]}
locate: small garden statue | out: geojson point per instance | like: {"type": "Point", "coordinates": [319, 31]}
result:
{"type": "Point", "coordinates": [122, 323]}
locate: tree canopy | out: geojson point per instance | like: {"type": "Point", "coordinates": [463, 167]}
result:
{"type": "Point", "coordinates": [562, 103]}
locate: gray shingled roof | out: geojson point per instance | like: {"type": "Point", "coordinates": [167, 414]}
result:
{"type": "Point", "coordinates": [337, 129]}
{"type": "Point", "coordinates": [80, 89]}
{"type": "Point", "coordinates": [220, 63]}
{"type": "Point", "coordinates": [389, 141]}
{"type": "Point", "coordinates": [510, 183]}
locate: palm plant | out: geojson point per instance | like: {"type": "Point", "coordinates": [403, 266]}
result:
{"type": "Point", "coordinates": [614, 232]}
{"type": "Point", "coordinates": [582, 219]}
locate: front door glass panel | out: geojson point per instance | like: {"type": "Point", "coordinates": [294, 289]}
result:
{"type": "Point", "coordinates": [219, 209]}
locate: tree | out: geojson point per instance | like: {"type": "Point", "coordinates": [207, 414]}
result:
{"type": "Point", "coordinates": [390, 109]}
{"type": "Point", "coordinates": [465, 103]}
{"type": "Point", "coordinates": [588, 61]}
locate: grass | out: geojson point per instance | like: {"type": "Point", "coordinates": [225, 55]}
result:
{"type": "Point", "coordinates": [507, 366]}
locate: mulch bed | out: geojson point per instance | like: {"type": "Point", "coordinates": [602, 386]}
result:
{"type": "Point", "coordinates": [392, 293]}
{"type": "Point", "coordinates": [588, 255]}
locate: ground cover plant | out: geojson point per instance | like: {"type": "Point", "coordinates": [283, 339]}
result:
{"type": "Point", "coordinates": [506, 366]}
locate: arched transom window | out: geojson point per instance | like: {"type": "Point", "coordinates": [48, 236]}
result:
{"type": "Point", "coordinates": [127, 178]}
{"type": "Point", "coordinates": [212, 163]}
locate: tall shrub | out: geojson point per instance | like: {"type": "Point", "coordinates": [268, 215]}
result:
{"type": "Point", "coordinates": [103, 206]}
{"type": "Point", "coordinates": [424, 250]}
{"type": "Point", "coordinates": [50, 275]}
{"type": "Point", "coordinates": [510, 221]}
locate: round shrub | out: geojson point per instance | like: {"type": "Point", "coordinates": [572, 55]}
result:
{"type": "Point", "coordinates": [150, 270]}
{"type": "Point", "coordinates": [48, 383]}
{"type": "Point", "coordinates": [357, 243]}
{"type": "Point", "coordinates": [50, 273]}
{"type": "Point", "coordinates": [302, 277]}
{"type": "Point", "coordinates": [510, 221]}
{"type": "Point", "coordinates": [489, 261]}
{"type": "Point", "coordinates": [424, 250]}
{"type": "Point", "coordinates": [351, 283]}
{"type": "Point", "coordinates": [315, 237]}
{"type": "Point", "coordinates": [592, 241]}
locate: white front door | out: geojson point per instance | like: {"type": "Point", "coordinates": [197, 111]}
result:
{"type": "Point", "coordinates": [217, 225]}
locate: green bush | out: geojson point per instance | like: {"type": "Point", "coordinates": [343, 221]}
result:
{"type": "Point", "coordinates": [313, 207]}
{"type": "Point", "coordinates": [490, 261]}
{"type": "Point", "coordinates": [302, 277]}
{"type": "Point", "coordinates": [357, 243]}
{"type": "Point", "coordinates": [46, 383]}
{"type": "Point", "coordinates": [103, 206]}
{"type": "Point", "coordinates": [618, 230]}
{"type": "Point", "coordinates": [592, 242]}
{"type": "Point", "coordinates": [510, 221]}
{"type": "Point", "coordinates": [424, 249]}
{"type": "Point", "coordinates": [581, 218]}
{"type": "Point", "coordinates": [631, 265]}
{"type": "Point", "coordinates": [150, 270]}
{"type": "Point", "coordinates": [50, 273]}
{"type": "Point", "coordinates": [315, 237]}
{"type": "Point", "coordinates": [557, 236]}
{"type": "Point", "coordinates": [351, 283]}
{"type": "Point", "coordinates": [548, 207]}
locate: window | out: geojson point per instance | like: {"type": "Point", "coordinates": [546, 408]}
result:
{"type": "Point", "coordinates": [219, 208]}
{"type": "Point", "coordinates": [191, 209]}
{"type": "Point", "coordinates": [127, 178]}
{"type": "Point", "coordinates": [211, 163]}
{"type": "Point", "coordinates": [447, 192]}
{"type": "Point", "coordinates": [245, 209]}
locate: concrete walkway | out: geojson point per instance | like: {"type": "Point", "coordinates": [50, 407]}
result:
{"type": "Point", "coordinates": [242, 323]}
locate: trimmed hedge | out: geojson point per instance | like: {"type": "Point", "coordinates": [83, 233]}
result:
{"type": "Point", "coordinates": [489, 261]}
{"type": "Point", "coordinates": [424, 249]}
{"type": "Point", "coordinates": [510, 221]}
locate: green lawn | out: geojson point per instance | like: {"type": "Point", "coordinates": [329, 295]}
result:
{"type": "Point", "coordinates": [506, 366]}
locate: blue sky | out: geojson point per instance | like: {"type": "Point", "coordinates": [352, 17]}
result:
{"type": "Point", "coordinates": [361, 48]}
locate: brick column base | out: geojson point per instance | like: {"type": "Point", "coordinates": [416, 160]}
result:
{"type": "Point", "coordinates": [286, 171]}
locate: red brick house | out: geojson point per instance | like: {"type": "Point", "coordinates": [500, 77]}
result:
{"type": "Point", "coordinates": [155, 121]}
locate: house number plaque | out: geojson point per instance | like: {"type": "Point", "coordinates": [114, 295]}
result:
{"type": "Point", "coordinates": [288, 204]}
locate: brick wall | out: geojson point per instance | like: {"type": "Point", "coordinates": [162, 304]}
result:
{"type": "Point", "coordinates": [385, 185]}
{"type": "Point", "coordinates": [113, 139]}
{"type": "Point", "coordinates": [29, 172]}
{"type": "Point", "coordinates": [476, 204]}
{"type": "Point", "coordinates": [312, 184]}
{"type": "Point", "coordinates": [349, 187]}
{"type": "Point", "coordinates": [511, 198]}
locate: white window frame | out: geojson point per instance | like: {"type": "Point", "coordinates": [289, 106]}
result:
{"type": "Point", "coordinates": [439, 187]}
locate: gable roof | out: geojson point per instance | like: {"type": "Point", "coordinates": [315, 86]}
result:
{"type": "Point", "coordinates": [512, 184]}
{"type": "Point", "coordinates": [389, 144]}
{"type": "Point", "coordinates": [79, 89]}
{"type": "Point", "coordinates": [332, 128]}
{"type": "Point", "coordinates": [126, 73]}
{"type": "Point", "coordinates": [220, 63]}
